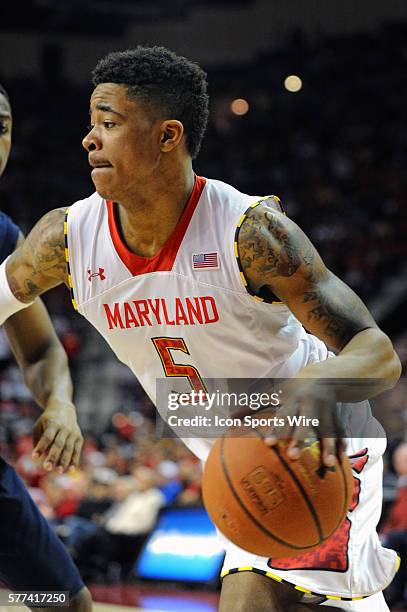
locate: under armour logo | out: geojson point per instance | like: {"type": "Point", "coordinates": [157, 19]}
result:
{"type": "Point", "coordinates": [94, 274]}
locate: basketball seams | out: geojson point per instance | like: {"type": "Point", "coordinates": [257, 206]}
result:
{"type": "Point", "coordinates": [301, 488]}
{"type": "Point", "coordinates": [304, 494]}
{"type": "Point", "coordinates": [246, 510]}
{"type": "Point", "coordinates": [310, 505]}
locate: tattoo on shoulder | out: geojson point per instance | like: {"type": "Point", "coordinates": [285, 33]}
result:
{"type": "Point", "coordinates": [267, 247]}
{"type": "Point", "coordinates": [49, 232]}
{"type": "Point", "coordinates": [274, 252]}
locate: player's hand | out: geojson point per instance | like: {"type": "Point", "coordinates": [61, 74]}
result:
{"type": "Point", "coordinates": [316, 402]}
{"type": "Point", "coordinates": [57, 438]}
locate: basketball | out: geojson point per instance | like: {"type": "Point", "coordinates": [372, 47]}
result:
{"type": "Point", "coordinates": [270, 505]}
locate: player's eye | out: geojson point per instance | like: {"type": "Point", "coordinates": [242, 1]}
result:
{"type": "Point", "coordinates": [3, 127]}
{"type": "Point", "coordinates": [108, 124]}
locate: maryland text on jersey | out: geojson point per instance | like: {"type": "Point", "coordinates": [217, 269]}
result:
{"type": "Point", "coordinates": [180, 311]}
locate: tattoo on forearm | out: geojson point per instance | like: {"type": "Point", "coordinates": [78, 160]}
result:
{"type": "Point", "coordinates": [39, 264]}
{"type": "Point", "coordinates": [29, 290]}
{"type": "Point", "coordinates": [338, 309]}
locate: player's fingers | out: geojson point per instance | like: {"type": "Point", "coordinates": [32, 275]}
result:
{"type": "Point", "coordinates": [328, 451]}
{"type": "Point", "coordinates": [299, 430]}
{"type": "Point", "coordinates": [329, 425]}
{"type": "Point", "coordinates": [46, 440]}
{"type": "Point", "coordinates": [294, 449]}
{"type": "Point", "coordinates": [329, 433]}
{"type": "Point", "coordinates": [66, 454]}
{"type": "Point", "coordinates": [340, 449]}
{"type": "Point", "coordinates": [37, 431]}
{"type": "Point", "coordinates": [276, 433]}
{"type": "Point", "coordinates": [340, 435]}
{"type": "Point", "coordinates": [291, 431]}
{"type": "Point", "coordinates": [76, 455]}
{"type": "Point", "coordinates": [55, 450]}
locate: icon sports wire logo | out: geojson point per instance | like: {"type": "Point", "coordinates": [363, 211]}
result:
{"type": "Point", "coordinates": [100, 274]}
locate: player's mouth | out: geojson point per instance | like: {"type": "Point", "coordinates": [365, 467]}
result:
{"type": "Point", "coordinates": [99, 165]}
{"type": "Point", "coordinates": [99, 170]}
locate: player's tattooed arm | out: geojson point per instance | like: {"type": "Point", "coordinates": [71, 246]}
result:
{"type": "Point", "coordinates": [276, 254]}
{"type": "Point", "coordinates": [39, 264]}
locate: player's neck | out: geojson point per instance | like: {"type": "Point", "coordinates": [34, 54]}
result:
{"type": "Point", "coordinates": [147, 221]}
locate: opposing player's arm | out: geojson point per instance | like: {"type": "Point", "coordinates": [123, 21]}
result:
{"type": "Point", "coordinates": [276, 254]}
{"type": "Point", "coordinates": [39, 263]}
{"type": "Point", "coordinates": [38, 351]}
{"type": "Point", "coordinates": [36, 347]}
{"type": "Point", "coordinates": [43, 362]}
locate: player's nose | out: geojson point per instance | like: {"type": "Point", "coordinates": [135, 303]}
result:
{"type": "Point", "coordinates": [91, 142]}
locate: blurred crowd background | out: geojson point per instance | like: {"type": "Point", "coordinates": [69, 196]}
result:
{"type": "Point", "coordinates": [312, 113]}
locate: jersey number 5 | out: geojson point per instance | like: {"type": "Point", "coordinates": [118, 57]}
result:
{"type": "Point", "coordinates": [164, 346]}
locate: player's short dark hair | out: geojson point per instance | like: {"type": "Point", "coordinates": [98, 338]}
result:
{"type": "Point", "coordinates": [4, 93]}
{"type": "Point", "coordinates": [165, 83]}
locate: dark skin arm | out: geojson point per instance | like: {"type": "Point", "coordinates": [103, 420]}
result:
{"type": "Point", "coordinates": [42, 359]}
{"type": "Point", "coordinates": [276, 254]}
{"type": "Point", "coordinates": [39, 263]}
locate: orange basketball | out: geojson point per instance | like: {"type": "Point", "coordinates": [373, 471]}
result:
{"type": "Point", "coordinates": [269, 504]}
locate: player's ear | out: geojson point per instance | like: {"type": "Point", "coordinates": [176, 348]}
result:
{"type": "Point", "coordinates": [172, 132]}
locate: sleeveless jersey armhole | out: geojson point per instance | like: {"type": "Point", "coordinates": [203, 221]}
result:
{"type": "Point", "coordinates": [265, 295]}
{"type": "Point", "coordinates": [68, 261]}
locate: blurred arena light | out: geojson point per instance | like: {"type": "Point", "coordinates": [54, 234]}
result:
{"type": "Point", "coordinates": [293, 83]}
{"type": "Point", "coordinates": [240, 106]}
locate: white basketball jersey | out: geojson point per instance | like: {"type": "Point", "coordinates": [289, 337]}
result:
{"type": "Point", "coordinates": [186, 314]}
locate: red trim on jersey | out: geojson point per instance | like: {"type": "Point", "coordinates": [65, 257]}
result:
{"type": "Point", "coordinates": [164, 259]}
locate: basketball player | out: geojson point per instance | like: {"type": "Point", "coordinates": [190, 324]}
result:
{"type": "Point", "coordinates": [32, 558]}
{"type": "Point", "coordinates": [186, 277]}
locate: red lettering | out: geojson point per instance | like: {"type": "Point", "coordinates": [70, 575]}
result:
{"type": "Point", "coordinates": [155, 309]}
{"type": "Point", "coordinates": [113, 318]}
{"type": "Point", "coordinates": [215, 315]}
{"type": "Point", "coordinates": [129, 316]}
{"type": "Point", "coordinates": [188, 311]}
{"type": "Point", "coordinates": [180, 315]}
{"type": "Point", "coordinates": [194, 311]}
{"type": "Point", "coordinates": [166, 313]}
{"type": "Point", "coordinates": [142, 313]}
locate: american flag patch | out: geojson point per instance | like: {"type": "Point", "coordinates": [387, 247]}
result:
{"type": "Point", "coordinates": [201, 261]}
